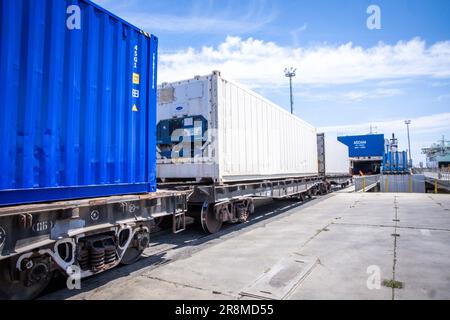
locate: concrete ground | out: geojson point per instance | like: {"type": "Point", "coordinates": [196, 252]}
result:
{"type": "Point", "coordinates": [342, 246]}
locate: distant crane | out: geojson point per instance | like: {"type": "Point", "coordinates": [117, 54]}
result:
{"type": "Point", "coordinates": [436, 150]}
{"type": "Point", "coordinates": [393, 146]}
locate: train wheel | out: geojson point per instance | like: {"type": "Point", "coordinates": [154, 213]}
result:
{"type": "Point", "coordinates": [163, 222]}
{"type": "Point", "coordinates": [210, 223]}
{"type": "Point", "coordinates": [138, 245]}
{"type": "Point", "coordinates": [322, 190]}
{"type": "Point", "coordinates": [301, 197]}
{"type": "Point", "coordinates": [131, 255]}
{"type": "Point", "coordinates": [23, 289]}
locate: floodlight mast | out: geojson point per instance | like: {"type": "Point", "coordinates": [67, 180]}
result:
{"type": "Point", "coordinates": [290, 73]}
{"type": "Point", "coordinates": [408, 122]}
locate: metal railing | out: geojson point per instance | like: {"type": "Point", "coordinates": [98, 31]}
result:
{"type": "Point", "coordinates": [439, 178]}
{"type": "Point", "coordinates": [391, 183]}
{"type": "Point", "coordinates": [439, 174]}
{"type": "Point", "coordinates": [366, 183]}
{"type": "Point", "coordinates": [403, 183]}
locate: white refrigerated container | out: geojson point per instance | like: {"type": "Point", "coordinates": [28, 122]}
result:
{"type": "Point", "coordinates": [332, 155]}
{"type": "Point", "coordinates": [245, 136]}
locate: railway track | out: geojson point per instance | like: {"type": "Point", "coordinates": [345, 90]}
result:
{"type": "Point", "coordinates": [165, 247]}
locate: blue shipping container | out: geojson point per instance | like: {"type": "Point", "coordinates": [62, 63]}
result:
{"type": "Point", "coordinates": [78, 103]}
{"type": "Point", "coordinates": [371, 145]}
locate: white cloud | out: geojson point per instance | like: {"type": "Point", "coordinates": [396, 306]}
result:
{"type": "Point", "coordinates": [333, 95]}
{"type": "Point", "coordinates": [440, 84]}
{"type": "Point", "coordinates": [117, 5]}
{"type": "Point", "coordinates": [295, 33]}
{"type": "Point", "coordinates": [422, 125]}
{"type": "Point", "coordinates": [373, 94]}
{"type": "Point", "coordinates": [350, 96]}
{"type": "Point", "coordinates": [443, 97]}
{"type": "Point", "coordinates": [201, 18]}
{"type": "Point", "coordinates": [196, 24]}
{"type": "Point", "coordinates": [260, 63]}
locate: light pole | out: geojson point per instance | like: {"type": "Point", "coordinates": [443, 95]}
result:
{"type": "Point", "coordinates": [290, 73]}
{"type": "Point", "coordinates": [408, 122]}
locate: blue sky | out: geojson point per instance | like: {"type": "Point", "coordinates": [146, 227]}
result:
{"type": "Point", "coordinates": [348, 76]}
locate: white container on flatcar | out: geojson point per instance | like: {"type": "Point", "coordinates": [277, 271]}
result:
{"type": "Point", "coordinates": [332, 155]}
{"type": "Point", "coordinates": [211, 128]}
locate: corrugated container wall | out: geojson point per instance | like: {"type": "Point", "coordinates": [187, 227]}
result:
{"type": "Point", "coordinates": [332, 155]}
{"type": "Point", "coordinates": [237, 134]}
{"type": "Point", "coordinates": [78, 102]}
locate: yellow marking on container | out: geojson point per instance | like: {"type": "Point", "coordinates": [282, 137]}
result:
{"type": "Point", "coordinates": [435, 186]}
{"type": "Point", "coordinates": [364, 184]}
{"type": "Point", "coordinates": [135, 109]}
{"type": "Point", "coordinates": [387, 183]}
{"type": "Point", "coordinates": [136, 78]}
